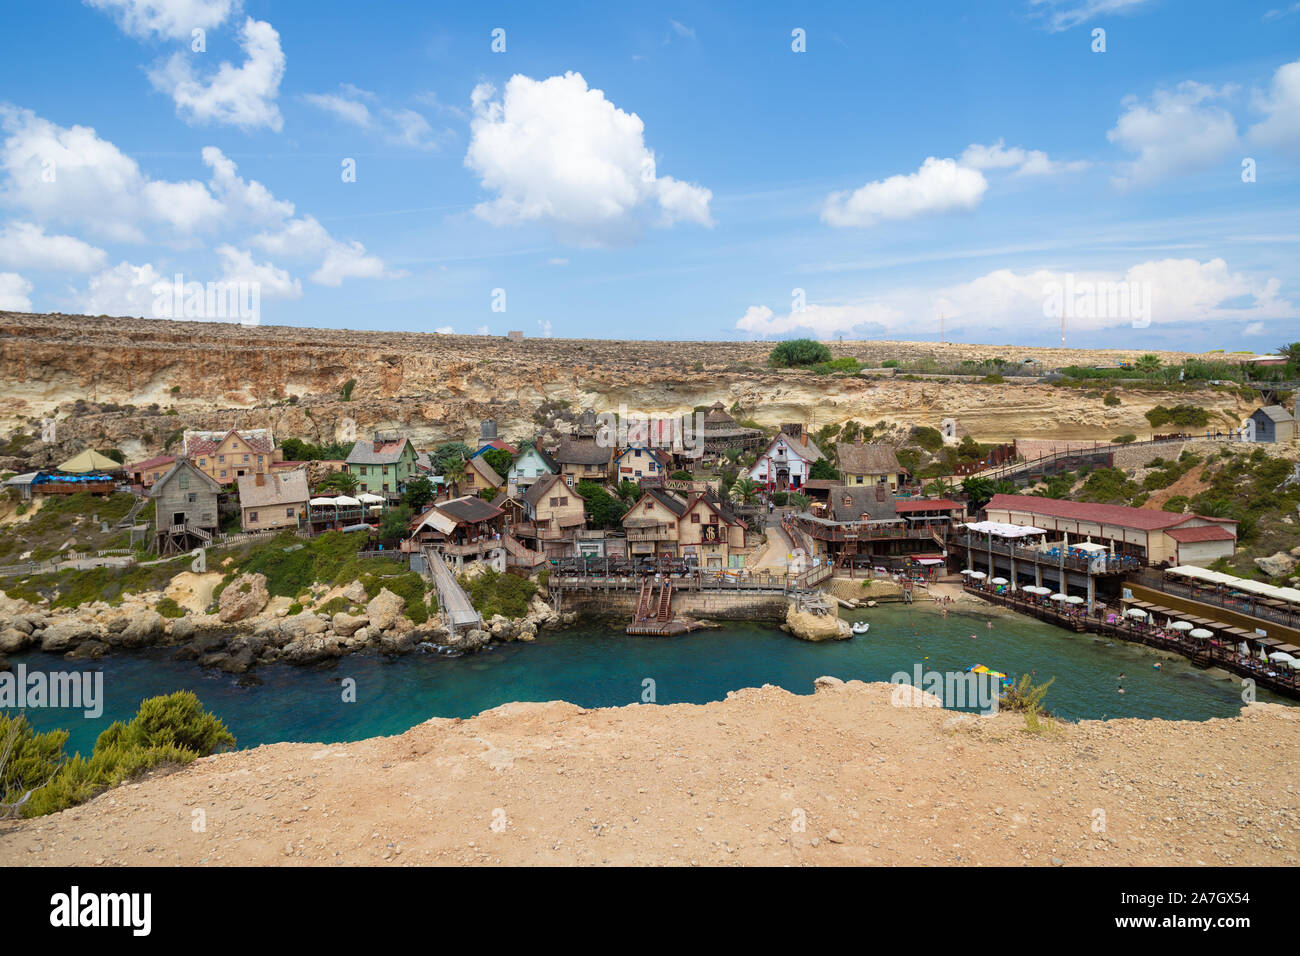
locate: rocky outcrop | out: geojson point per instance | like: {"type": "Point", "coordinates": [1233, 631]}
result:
{"type": "Point", "coordinates": [384, 610]}
{"type": "Point", "coordinates": [345, 625]}
{"type": "Point", "coordinates": [808, 626]}
{"type": "Point", "coordinates": [243, 598]}
{"type": "Point", "coordinates": [1276, 565]}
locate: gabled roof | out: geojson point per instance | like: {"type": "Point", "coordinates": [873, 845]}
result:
{"type": "Point", "coordinates": [378, 453]}
{"type": "Point", "coordinates": [809, 452]}
{"type": "Point", "coordinates": [182, 464]}
{"type": "Point", "coordinates": [715, 503]}
{"type": "Point", "coordinates": [278, 488]}
{"type": "Point", "coordinates": [259, 440]}
{"type": "Point", "coordinates": [858, 458]}
{"type": "Point", "coordinates": [469, 509]}
{"type": "Point", "coordinates": [541, 488]}
{"type": "Point", "coordinates": [580, 452]}
{"type": "Point", "coordinates": [658, 454]}
{"type": "Point", "coordinates": [1276, 412]}
{"type": "Point", "coordinates": [551, 465]}
{"type": "Point", "coordinates": [488, 473]}
{"type": "Point", "coordinates": [155, 462]}
{"type": "Point", "coordinates": [495, 443]}
{"type": "Point", "coordinates": [875, 501]}
{"type": "Point", "coordinates": [1141, 519]}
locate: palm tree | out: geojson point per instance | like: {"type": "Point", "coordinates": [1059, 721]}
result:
{"type": "Point", "coordinates": [1148, 363]}
{"type": "Point", "coordinates": [340, 481]}
{"type": "Point", "coordinates": [744, 491]}
{"type": "Point", "coordinates": [1291, 352]}
{"type": "Point", "coordinates": [940, 487]}
{"type": "Point", "coordinates": [798, 501]}
{"type": "Point", "coordinates": [454, 473]}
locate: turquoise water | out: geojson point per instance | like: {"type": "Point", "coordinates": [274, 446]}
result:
{"type": "Point", "coordinates": [599, 666]}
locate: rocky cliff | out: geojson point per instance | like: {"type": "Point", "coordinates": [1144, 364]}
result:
{"type": "Point", "coordinates": [436, 387]}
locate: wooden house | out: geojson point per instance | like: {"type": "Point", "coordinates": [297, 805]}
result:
{"type": "Point", "coordinates": [185, 508]}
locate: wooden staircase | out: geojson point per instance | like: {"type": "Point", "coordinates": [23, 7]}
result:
{"type": "Point", "coordinates": [643, 602]}
{"type": "Point", "coordinates": [665, 612]}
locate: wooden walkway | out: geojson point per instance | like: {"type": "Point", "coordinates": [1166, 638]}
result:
{"type": "Point", "coordinates": [455, 605]}
{"type": "Point", "coordinates": [1202, 654]}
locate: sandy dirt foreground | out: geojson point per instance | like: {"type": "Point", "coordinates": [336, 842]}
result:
{"type": "Point", "coordinates": [724, 783]}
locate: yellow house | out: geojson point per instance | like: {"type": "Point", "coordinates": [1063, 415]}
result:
{"type": "Point", "coordinates": [870, 464]}
{"type": "Point", "coordinates": [710, 533]}
{"type": "Point", "coordinates": [227, 456]}
{"type": "Point", "coordinates": [272, 501]}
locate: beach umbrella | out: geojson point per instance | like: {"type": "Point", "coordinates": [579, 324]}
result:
{"type": "Point", "coordinates": [1059, 597]}
{"type": "Point", "coordinates": [967, 571]}
{"type": "Point", "coordinates": [998, 581]}
{"type": "Point", "coordinates": [1263, 654]}
{"type": "Point", "coordinates": [1293, 664]}
{"type": "Point", "coordinates": [1136, 613]}
{"type": "Point", "coordinates": [1181, 625]}
{"type": "Point", "coordinates": [978, 575]}
{"type": "Point", "coordinates": [1038, 589]}
{"type": "Point", "coordinates": [1200, 633]}
{"type": "Point", "coordinates": [1280, 656]}
{"type": "Point", "coordinates": [1074, 599]}
{"type": "Point", "coordinates": [346, 502]}
{"type": "Point", "coordinates": [322, 502]}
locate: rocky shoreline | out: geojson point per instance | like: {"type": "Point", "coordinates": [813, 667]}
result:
{"type": "Point", "coordinates": [248, 630]}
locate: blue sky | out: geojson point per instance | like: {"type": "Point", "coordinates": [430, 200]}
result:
{"type": "Point", "coordinates": [675, 172]}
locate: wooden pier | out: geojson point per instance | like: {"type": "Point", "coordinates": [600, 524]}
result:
{"type": "Point", "coordinates": [1276, 678]}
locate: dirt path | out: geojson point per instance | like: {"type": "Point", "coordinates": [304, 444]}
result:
{"type": "Point", "coordinates": [839, 777]}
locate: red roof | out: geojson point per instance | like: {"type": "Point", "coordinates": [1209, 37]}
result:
{"type": "Point", "coordinates": [1209, 532]}
{"type": "Point", "coordinates": [920, 504]}
{"type": "Point", "coordinates": [156, 462]}
{"type": "Point", "coordinates": [1141, 519]}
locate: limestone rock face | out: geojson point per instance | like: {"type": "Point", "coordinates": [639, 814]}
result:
{"type": "Point", "coordinates": [384, 610]}
{"type": "Point", "coordinates": [345, 625]}
{"type": "Point", "coordinates": [243, 598]}
{"type": "Point", "coordinates": [66, 634]}
{"type": "Point", "coordinates": [13, 640]}
{"type": "Point", "coordinates": [355, 593]}
{"type": "Point", "coordinates": [816, 627]}
{"type": "Point", "coordinates": [142, 629]}
{"type": "Point", "coordinates": [1276, 565]}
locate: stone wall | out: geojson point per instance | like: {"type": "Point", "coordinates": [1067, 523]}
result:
{"type": "Point", "coordinates": [712, 605]}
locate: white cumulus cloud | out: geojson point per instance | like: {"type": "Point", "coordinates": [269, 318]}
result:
{"type": "Point", "coordinates": [14, 292]}
{"type": "Point", "coordinates": [1281, 126]}
{"type": "Point", "coordinates": [24, 245]}
{"type": "Point", "coordinates": [174, 19]}
{"type": "Point", "coordinates": [939, 186]}
{"type": "Point", "coordinates": [1025, 162]}
{"type": "Point", "coordinates": [71, 175]}
{"type": "Point", "coordinates": [125, 289]}
{"type": "Point", "coordinates": [1177, 131]}
{"type": "Point", "coordinates": [237, 266]}
{"type": "Point", "coordinates": [558, 153]}
{"type": "Point", "coordinates": [242, 96]}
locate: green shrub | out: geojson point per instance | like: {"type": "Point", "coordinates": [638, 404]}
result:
{"type": "Point", "coordinates": [1125, 439]}
{"type": "Point", "coordinates": [1111, 399]}
{"type": "Point", "coordinates": [797, 353]}
{"type": "Point", "coordinates": [169, 729]}
{"type": "Point", "coordinates": [1175, 505]}
{"type": "Point", "coordinates": [294, 608]}
{"type": "Point", "coordinates": [168, 607]}
{"type": "Point", "coordinates": [495, 593]}
{"type": "Point", "coordinates": [889, 363]}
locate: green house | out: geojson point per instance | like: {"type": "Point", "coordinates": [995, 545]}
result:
{"type": "Point", "coordinates": [382, 467]}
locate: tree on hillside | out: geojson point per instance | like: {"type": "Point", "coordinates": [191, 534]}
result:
{"type": "Point", "coordinates": [1148, 363]}
{"type": "Point", "coordinates": [823, 469]}
{"type": "Point", "coordinates": [448, 452]}
{"type": "Point", "coordinates": [419, 492]}
{"type": "Point", "coordinates": [1291, 352]}
{"type": "Point", "coordinates": [797, 353]}
{"type": "Point", "coordinates": [743, 491]}
{"type": "Point", "coordinates": [500, 460]}
{"type": "Point", "coordinates": [393, 525]}
{"type": "Point", "coordinates": [339, 481]}
{"type": "Point", "coordinates": [454, 473]}
{"type": "Point", "coordinates": [603, 509]}
{"type": "Point", "coordinates": [978, 491]}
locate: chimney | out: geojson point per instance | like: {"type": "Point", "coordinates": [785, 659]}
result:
{"type": "Point", "coordinates": [803, 440]}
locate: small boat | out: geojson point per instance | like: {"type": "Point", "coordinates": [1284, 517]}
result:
{"type": "Point", "coordinates": [860, 627]}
